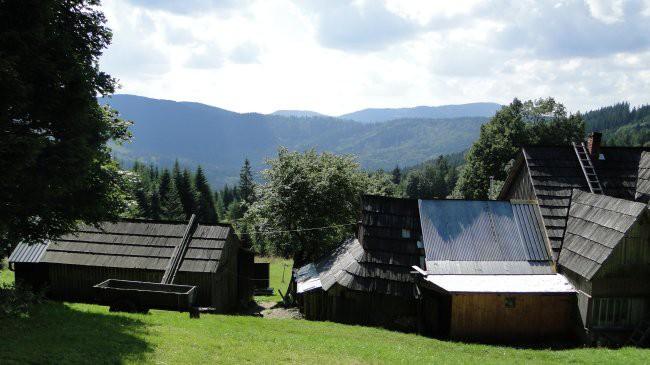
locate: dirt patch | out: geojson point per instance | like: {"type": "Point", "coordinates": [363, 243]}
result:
{"type": "Point", "coordinates": [275, 310]}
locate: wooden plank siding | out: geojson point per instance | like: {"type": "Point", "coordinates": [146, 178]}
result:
{"type": "Point", "coordinates": [533, 317]}
{"type": "Point", "coordinates": [339, 304]}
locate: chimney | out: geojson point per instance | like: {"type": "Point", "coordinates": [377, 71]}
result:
{"type": "Point", "coordinates": [593, 143]}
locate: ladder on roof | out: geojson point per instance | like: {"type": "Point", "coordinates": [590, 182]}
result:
{"type": "Point", "coordinates": [640, 335]}
{"type": "Point", "coordinates": [588, 168]}
{"type": "Point", "coordinates": [179, 253]}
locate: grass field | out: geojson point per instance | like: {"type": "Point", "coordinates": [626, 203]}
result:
{"type": "Point", "coordinates": [277, 267]}
{"type": "Point", "coordinates": [82, 333]}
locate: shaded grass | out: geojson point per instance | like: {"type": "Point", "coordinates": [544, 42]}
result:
{"type": "Point", "coordinates": [76, 333]}
{"type": "Point", "coordinates": [278, 265]}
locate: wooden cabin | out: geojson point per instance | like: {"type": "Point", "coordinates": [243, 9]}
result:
{"type": "Point", "coordinates": [548, 174]}
{"type": "Point", "coordinates": [606, 255]}
{"type": "Point", "coordinates": [489, 265]}
{"type": "Point", "coordinates": [367, 279]}
{"type": "Point", "coordinates": [140, 250]}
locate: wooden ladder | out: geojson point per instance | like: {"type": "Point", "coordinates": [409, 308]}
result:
{"type": "Point", "coordinates": [179, 253]}
{"type": "Point", "coordinates": [588, 168]}
{"type": "Point", "coordinates": [640, 335]}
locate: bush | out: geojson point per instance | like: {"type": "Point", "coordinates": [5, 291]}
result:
{"type": "Point", "coordinates": [18, 300]}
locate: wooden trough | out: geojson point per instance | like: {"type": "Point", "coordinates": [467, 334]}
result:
{"type": "Point", "coordinates": [141, 296]}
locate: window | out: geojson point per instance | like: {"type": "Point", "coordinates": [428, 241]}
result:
{"type": "Point", "coordinates": [406, 233]}
{"type": "Point", "coordinates": [616, 312]}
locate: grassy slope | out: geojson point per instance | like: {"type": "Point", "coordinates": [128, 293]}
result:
{"type": "Point", "coordinates": [275, 277]}
{"type": "Point", "coordinates": [82, 333]}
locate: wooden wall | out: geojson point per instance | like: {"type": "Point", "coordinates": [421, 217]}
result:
{"type": "Point", "coordinates": [358, 307]}
{"type": "Point", "coordinates": [521, 187]}
{"type": "Point", "coordinates": [75, 283]}
{"type": "Point", "coordinates": [533, 318]}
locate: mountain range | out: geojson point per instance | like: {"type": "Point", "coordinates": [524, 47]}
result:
{"type": "Point", "coordinates": [219, 140]}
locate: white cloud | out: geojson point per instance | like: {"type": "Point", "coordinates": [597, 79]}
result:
{"type": "Point", "coordinates": [336, 56]}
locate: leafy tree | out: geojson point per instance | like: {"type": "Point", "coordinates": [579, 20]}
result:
{"type": "Point", "coordinates": [206, 211]}
{"type": "Point", "coordinates": [303, 192]}
{"type": "Point", "coordinates": [381, 183]}
{"type": "Point", "coordinates": [54, 153]}
{"type": "Point", "coordinates": [543, 121]}
{"type": "Point", "coordinates": [246, 183]}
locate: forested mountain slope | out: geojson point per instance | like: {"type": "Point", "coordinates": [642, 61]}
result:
{"type": "Point", "coordinates": [219, 139]}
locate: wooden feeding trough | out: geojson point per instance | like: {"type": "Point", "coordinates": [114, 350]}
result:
{"type": "Point", "coordinates": [140, 296]}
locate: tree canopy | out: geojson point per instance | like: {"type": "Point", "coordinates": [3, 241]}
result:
{"type": "Point", "coordinates": [305, 192]}
{"type": "Point", "coordinates": [539, 122]}
{"type": "Point", "coordinates": [54, 153]}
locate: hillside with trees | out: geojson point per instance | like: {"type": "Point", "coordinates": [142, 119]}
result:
{"type": "Point", "coordinates": [620, 124]}
{"type": "Point", "coordinates": [218, 140]}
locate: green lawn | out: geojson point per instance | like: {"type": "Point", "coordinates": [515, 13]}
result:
{"type": "Point", "coordinates": [82, 333]}
{"type": "Point", "coordinates": [278, 265]}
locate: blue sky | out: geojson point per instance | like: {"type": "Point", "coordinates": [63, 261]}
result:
{"type": "Point", "coordinates": [335, 56]}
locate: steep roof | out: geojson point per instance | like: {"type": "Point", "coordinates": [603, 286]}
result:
{"type": "Point", "coordinates": [643, 179]}
{"type": "Point", "coordinates": [555, 171]}
{"type": "Point", "coordinates": [380, 260]}
{"type": "Point", "coordinates": [596, 225]}
{"type": "Point", "coordinates": [483, 237]}
{"type": "Point", "coordinates": [139, 244]}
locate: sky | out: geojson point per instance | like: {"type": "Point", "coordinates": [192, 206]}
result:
{"type": "Point", "coordinates": [335, 57]}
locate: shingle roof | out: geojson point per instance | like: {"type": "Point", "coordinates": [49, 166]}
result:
{"type": "Point", "coordinates": [555, 171]}
{"type": "Point", "coordinates": [483, 237]}
{"type": "Point", "coordinates": [643, 179]}
{"type": "Point", "coordinates": [380, 260]}
{"type": "Point", "coordinates": [28, 253]}
{"type": "Point", "coordinates": [139, 245]}
{"type": "Point", "coordinates": [596, 225]}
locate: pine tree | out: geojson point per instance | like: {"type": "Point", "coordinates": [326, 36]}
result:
{"type": "Point", "coordinates": [246, 183]}
{"type": "Point", "coordinates": [206, 211]}
{"type": "Point", "coordinates": [397, 175]}
{"type": "Point", "coordinates": [219, 205]}
{"type": "Point", "coordinates": [155, 206]}
{"type": "Point", "coordinates": [186, 193]}
{"type": "Point", "coordinates": [170, 203]}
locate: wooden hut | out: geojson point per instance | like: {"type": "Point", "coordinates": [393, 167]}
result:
{"type": "Point", "coordinates": [139, 250]}
{"type": "Point", "coordinates": [606, 255]}
{"type": "Point", "coordinates": [488, 263]}
{"type": "Point", "coordinates": [549, 173]}
{"type": "Point", "coordinates": [367, 279]}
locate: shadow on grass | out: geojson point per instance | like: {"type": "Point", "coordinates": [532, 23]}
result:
{"type": "Point", "coordinates": [57, 333]}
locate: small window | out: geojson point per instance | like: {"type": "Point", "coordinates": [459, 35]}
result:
{"type": "Point", "coordinates": [601, 156]}
{"type": "Point", "coordinates": [510, 302]}
{"type": "Point", "coordinates": [406, 233]}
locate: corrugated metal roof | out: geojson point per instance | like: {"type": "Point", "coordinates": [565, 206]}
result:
{"type": "Point", "coordinates": [555, 283]}
{"type": "Point", "coordinates": [140, 245]}
{"type": "Point", "coordinates": [463, 230]}
{"type": "Point", "coordinates": [28, 253]}
{"type": "Point", "coordinates": [489, 267]}
{"type": "Point", "coordinates": [596, 225]}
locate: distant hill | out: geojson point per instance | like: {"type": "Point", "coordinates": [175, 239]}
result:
{"type": "Point", "coordinates": [219, 139]}
{"type": "Point", "coordinates": [428, 112]}
{"type": "Point", "coordinates": [297, 113]}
